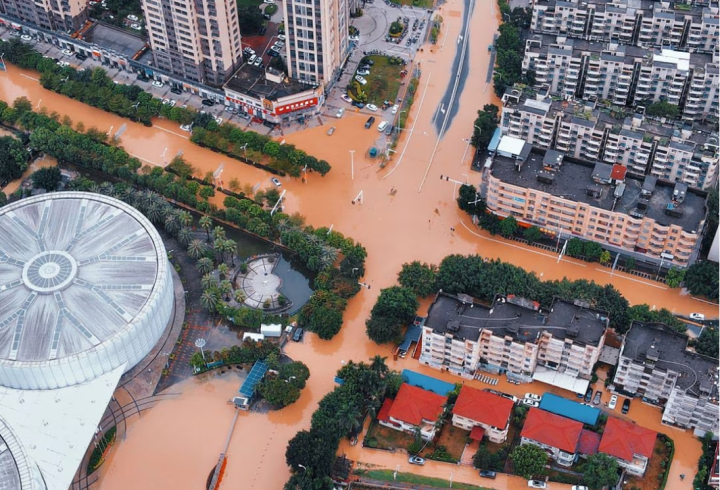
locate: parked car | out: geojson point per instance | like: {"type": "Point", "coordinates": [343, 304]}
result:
{"type": "Point", "coordinates": [698, 317]}
{"type": "Point", "coordinates": [371, 107]}
{"type": "Point", "coordinates": [176, 91]}
{"type": "Point", "coordinates": [252, 59]}
{"type": "Point", "coordinates": [416, 460]}
{"type": "Point", "coordinates": [158, 83]}
{"type": "Point", "coordinates": [268, 1]}
{"type": "Point", "coordinates": [533, 396]}
{"type": "Point", "coordinates": [588, 395]}
{"type": "Point", "coordinates": [331, 131]}
{"type": "Point", "coordinates": [363, 72]}
{"type": "Point", "coordinates": [258, 62]}
{"type": "Point", "coordinates": [272, 53]}
{"type": "Point", "coordinates": [25, 37]}
{"type": "Point", "coordinates": [598, 396]}
{"type": "Point", "coordinates": [81, 56]}
{"type": "Point", "coordinates": [340, 113]}
{"type": "Point", "coordinates": [133, 18]}
{"type": "Point", "coordinates": [207, 102]}
{"type": "Point", "coordinates": [135, 27]}
{"type": "Point", "coordinates": [346, 98]}
{"type": "Point", "coordinates": [488, 474]}
{"type": "Point", "coordinates": [357, 104]}
{"type": "Point", "coordinates": [369, 122]}
{"type": "Point", "coordinates": [382, 126]}
{"type": "Point", "coordinates": [282, 37]}
{"type": "Point", "coordinates": [394, 109]}
{"type": "Point", "coordinates": [187, 127]}
{"type": "Point", "coordinates": [360, 79]}
{"type": "Point", "coordinates": [67, 52]}
{"type": "Point", "coordinates": [579, 487]}
{"type": "Point", "coordinates": [229, 109]}
{"type": "Point", "coordinates": [500, 393]}
{"type": "Point", "coordinates": [367, 61]}
{"type": "Point", "coordinates": [613, 402]}
{"type": "Point", "coordinates": [279, 44]}
{"type": "Point", "coordinates": [537, 484]}
{"type": "Point", "coordinates": [298, 334]}
{"type": "Point", "coordinates": [579, 395]}
{"type": "Point", "coordinates": [402, 353]}
{"type": "Point", "coordinates": [529, 402]}
{"type": "Point", "coordinates": [276, 182]}
{"type": "Point", "coordinates": [626, 406]}
{"type": "Point", "coordinates": [275, 48]}
{"type": "Point", "coordinates": [63, 64]}
{"type": "Point", "coordinates": [164, 101]}
{"type": "Point", "coordinates": [219, 120]}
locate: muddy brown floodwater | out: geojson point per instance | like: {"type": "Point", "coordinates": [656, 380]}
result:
{"type": "Point", "coordinates": [177, 443]}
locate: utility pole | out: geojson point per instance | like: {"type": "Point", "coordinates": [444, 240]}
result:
{"type": "Point", "coordinates": [352, 164]}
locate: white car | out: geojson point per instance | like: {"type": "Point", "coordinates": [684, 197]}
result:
{"type": "Point", "coordinates": [371, 107]}
{"type": "Point", "coordinates": [363, 72]}
{"type": "Point", "coordinates": [282, 37]}
{"type": "Point", "coordinates": [613, 402]}
{"type": "Point", "coordinates": [25, 37]}
{"type": "Point", "coordinates": [63, 64]}
{"type": "Point", "coordinates": [165, 101]}
{"type": "Point", "coordinates": [579, 487]}
{"type": "Point", "coordinates": [276, 182]}
{"type": "Point", "coordinates": [529, 402]}
{"type": "Point", "coordinates": [346, 98]}
{"type": "Point", "coordinates": [416, 460]}
{"type": "Point", "coordinates": [158, 83]}
{"type": "Point", "coordinates": [135, 27]}
{"type": "Point", "coordinates": [133, 18]}
{"type": "Point", "coordinates": [187, 127]}
{"type": "Point", "coordinates": [219, 120]}
{"type": "Point", "coordinates": [172, 103]}
{"type": "Point", "coordinates": [533, 396]}
{"type": "Point", "coordinates": [340, 113]}
{"type": "Point", "coordinates": [698, 317]}
{"type": "Point", "coordinates": [537, 484]}
{"type": "Point", "coordinates": [268, 1]}
{"type": "Point", "coordinates": [258, 61]}
{"type": "Point", "coordinates": [279, 44]}
{"type": "Point", "coordinates": [394, 109]}
{"type": "Point", "coordinates": [360, 79]}
{"type": "Point", "coordinates": [67, 52]}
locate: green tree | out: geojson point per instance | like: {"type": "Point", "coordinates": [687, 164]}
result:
{"type": "Point", "coordinates": [278, 391]}
{"type": "Point", "coordinates": [707, 343]}
{"type": "Point", "coordinates": [663, 109]}
{"type": "Point", "coordinates": [209, 300]}
{"type": "Point", "coordinates": [487, 460]}
{"type": "Point", "coordinates": [204, 265]}
{"type": "Point", "coordinates": [394, 308]}
{"type": "Point", "coordinates": [296, 373]}
{"type": "Point", "coordinates": [3, 199]}
{"type": "Point", "coordinates": [508, 226]}
{"type": "Point", "coordinates": [532, 234]}
{"type": "Point", "coordinates": [484, 126]}
{"type": "Point", "coordinates": [575, 247]}
{"type": "Point", "coordinates": [206, 224]}
{"type": "Point", "coordinates": [420, 277]}
{"type": "Point", "coordinates": [13, 158]}
{"type": "Point", "coordinates": [310, 452]}
{"type": "Point", "coordinates": [675, 277]}
{"type": "Point", "coordinates": [250, 18]}
{"type": "Point", "coordinates": [47, 178]}
{"type": "Point", "coordinates": [600, 471]}
{"type": "Point", "coordinates": [528, 460]}
{"type": "Point", "coordinates": [469, 200]}
{"type": "Point", "coordinates": [196, 248]}
{"type": "Point", "coordinates": [702, 279]}
{"type": "Point", "coordinates": [605, 257]}
{"type": "Point", "coordinates": [592, 251]}
{"type": "Point", "coordinates": [643, 313]}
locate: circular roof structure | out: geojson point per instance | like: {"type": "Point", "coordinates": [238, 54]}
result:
{"type": "Point", "coordinates": [80, 278]}
{"type": "Point", "coordinates": [17, 470]}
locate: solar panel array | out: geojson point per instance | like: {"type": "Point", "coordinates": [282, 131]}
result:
{"type": "Point", "coordinates": [256, 375]}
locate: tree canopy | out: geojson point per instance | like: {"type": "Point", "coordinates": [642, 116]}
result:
{"type": "Point", "coordinates": [600, 471]}
{"type": "Point", "coordinates": [394, 308]}
{"type": "Point", "coordinates": [528, 460]}
{"type": "Point", "coordinates": [47, 178]}
{"type": "Point", "coordinates": [13, 158]}
{"type": "Point", "coordinates": [663, 109]}
{"type": "Point", "coordinates": [484, 127]}
{"type": "Point", "coordinates": [707, 343]}
{"type": "Point", "coordinates": [420, 277]}
{"type": "Point", "coordinates": [701, 278]}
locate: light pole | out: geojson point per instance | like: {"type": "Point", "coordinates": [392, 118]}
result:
{"type": "Point", "coordinates": [200, 343]}
{"type": "Point", "coordinates": [352, 164]}
{"type": "Point", "coordinates": [302, 466]}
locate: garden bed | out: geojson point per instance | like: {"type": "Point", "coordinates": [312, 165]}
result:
{"type": "Point", "coordinates": [388, 475]}
{"type": "Point", "coordinates": [386, 438]}
{"type": "Point", "coordinates": [383, 83]}
{"type": "Point", "coordinates": [452, 439]}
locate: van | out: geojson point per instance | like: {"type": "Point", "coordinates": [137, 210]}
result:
{"type": "Point", "coordinates": [252, 59]}
{"type": "Point", "coordinates": [298, 334]}
{"type": "Point", "coordinates": [382, 126]}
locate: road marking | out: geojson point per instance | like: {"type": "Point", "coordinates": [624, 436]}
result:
{"type": "Point", "coordinates": [412, 130]}
{"type": "Point", "coordinates": [171, 132]}
{"type": "Point", "coordinates": [704, 301]}
{"type": "Point", "coordinates": [508, 244]}
{"type": "Point", "coordinates": [31, 78]}
{"type": "Point", "coordinates": [145, 160]}
{"type": "Point", "coordinates": [636, 280]}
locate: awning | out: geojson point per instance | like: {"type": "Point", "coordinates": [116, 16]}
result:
{"type": "Point", "coordinates": [477, 433]}
{"type": "Point", "coordinates": [561, 380]}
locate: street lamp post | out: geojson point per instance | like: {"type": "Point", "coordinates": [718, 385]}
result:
{"type": "Point", "coordinates": [200, 343]}
{"type": "Point", "coordinates": [352, 164]}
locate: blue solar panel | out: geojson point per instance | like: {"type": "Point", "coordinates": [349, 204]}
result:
{"type": "Point", "coordinates": [256, 375]}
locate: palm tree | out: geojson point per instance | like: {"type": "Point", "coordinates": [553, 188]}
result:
{"type": "Point", "coordinates": [224, 270]}
{"type": "Point", "coordinates": [225, 288]}
{"type": "Point", "coordinates": [218, 233]}
{"type": "Point", "coordinates": [172, 223]}
{"type": "Point", "coordinates": [185, 218]}
{"type": "Point", "coordinates": [183, 235]}
{"type": "Point", "coordinates": [206, 224]}
{"type": "Point", "coordinates": [348, 418]}
{"type": "Point", "coordinates": [328, 255]}
{"type": "Point", "coordinates": [207, 281]}
{"type": "Point", "coordinates": [230, 246]}
{"type": "Point", "coordinates": [196, 248]}
{"type": "Point", "coordinates": [378, 366]}
{"type": "Point", "coordinates": [106, 188]}
{"type": "Point", "coordinates": [204, 265]}
{"type": "Point", "coordinates": [240, 296]}
{"type": "Point", "coordinates": [209, 300]}
{"type": "Point", "coordinates": [218, 248]}
{"type": "Point", "coordinates": [153, 212]}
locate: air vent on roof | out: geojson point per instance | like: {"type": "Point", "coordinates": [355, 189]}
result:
{"type": "Point", "coordinates": [453, 326]}
{"type": "Point", "coordinates": [573, 330]}
{"type": "Point", "coordinates": [546, 177]}
{"type": "Point", "coordinates": [643, 203]}
{"type": "Point", "coordinates": [594, 192]}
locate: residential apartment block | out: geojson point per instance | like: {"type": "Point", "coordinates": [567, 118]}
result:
{"type": "Point", "coordinates": [625, 75]}
{"type": "Point", "coordinates": [56, 15]}
{"type": "Point", "coordinates": [630, 444]}
{"type": "Point", "coordinates": [482, 409]}
{"type": "Point", "coordinates": [591, 131]}
{"type": "Point", "coordinates": [656, 365]}
{"type": "Point", "coordinates": [648, 219]}
{"type": "Point", "coordinates": [691, 26]}
{"type": "Point", "coordinates": [514, 337]}
{"type": "Point", "coordinates": [197, 40]}
{"type": "Point", "coordinates": [317, 38]}
{"type": "Point", "coordinates": [413, 408]}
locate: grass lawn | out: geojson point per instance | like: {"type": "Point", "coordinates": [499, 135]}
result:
{"type": "Point", "coordinates": [387, 438]}
{"type": "Point", "coordinates": [387, 475]}
{"type": "Point", "coordinates": [383, 83]}
{"type": "Point", "coordinates": [250, 3]}
{"type": "Point", "coordinates": [452, 438]}
{"type": "Point", "coordinates": [271, 9]}
{"type": "Point", "coordinates": [427, 4]}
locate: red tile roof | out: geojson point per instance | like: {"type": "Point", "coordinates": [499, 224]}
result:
{"type": "Point", "coordinates": [483, 407]}
{"type": "Point", "coordinates": [589, 442]}
{"type": "Point", "coordinates": [553, 430]}
{"type": "Point", "coordinates": [385, 410]}
{"type": "Point", "coordinates": [623, 439]}
{"type": "Point", "coordinates": [412, 405]}
{"type": "Point", "coordinates": [618, 172]}
{"type": "Point", "coordinates": [477, 433]}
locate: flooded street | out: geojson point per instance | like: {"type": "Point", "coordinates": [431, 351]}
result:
{"type": "Point", "coordinates": [186, 435]}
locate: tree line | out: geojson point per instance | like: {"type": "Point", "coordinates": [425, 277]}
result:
{"type": "Point", "coordinates": [509, 48]}
{"type": "Point", "coordinates": [95, 88]}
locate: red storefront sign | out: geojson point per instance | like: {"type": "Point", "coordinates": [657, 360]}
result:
{"type": "Point", "coordinates": [296, 106]}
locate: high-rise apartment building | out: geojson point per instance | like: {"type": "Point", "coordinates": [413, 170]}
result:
{"type": "Point", "coordinates": [54, 15]}
{"type": "Point", "coordinates": [198, 40]}
{"type": "Point", "coordinates": [317, 38]}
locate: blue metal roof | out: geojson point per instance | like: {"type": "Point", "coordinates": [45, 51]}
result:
{"type": "Point", "coordinates": [427, 383]}
{"type": "Point", "coordinates": [495, 141]}
{"type": "Point", "coordinates": [256, 375]}
{"type": "Point", "coordinates": [570, 409]}
{"type": "Point", "coordinates": [411, 335]}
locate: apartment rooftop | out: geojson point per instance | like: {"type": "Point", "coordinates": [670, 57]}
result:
{"type": "Point", "coordinates": [115, 39]}
{"type": "Point", "coordinates": [658, 343]}
{"type": "Point", "coordinates": [267, 83]}
{"type": "Point", "coordinates": [648, 7]}
{"type": "Point", "coordinates": [523, 320]}
{"type": "Point", "coordinates": [574, 181]}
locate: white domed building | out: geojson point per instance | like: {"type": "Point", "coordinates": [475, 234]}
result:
{"type": "Point", "coordinates": [85, 293]}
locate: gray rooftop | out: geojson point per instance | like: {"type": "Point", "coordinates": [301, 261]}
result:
{"type": "Point", "coordinates": [73, 272]}
{"type": "Point", "coordinates": [516, 317]}
{"type": "Point", "coordinates": [115, 39]}
{"type": "Point", "coordinates": [656, 340]}
{"type": "Point", "coordinates": [251, 80]}
{"type": "Point", "coordinates": [575, 177]}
